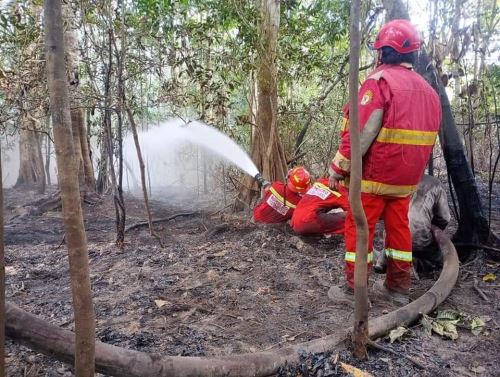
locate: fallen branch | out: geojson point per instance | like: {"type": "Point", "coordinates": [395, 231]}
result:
{"type": "Point", "coordinates": [481, 293]}
{"type": "Point", "coordinates": [59, 343]}
{"type": "Point", "coordinates": [164, 220]}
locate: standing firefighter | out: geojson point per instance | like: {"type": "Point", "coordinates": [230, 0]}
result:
{"type": "Point", "coordinates": [280, 199]}
{"type": "Point", "coordinates": [399, 117]}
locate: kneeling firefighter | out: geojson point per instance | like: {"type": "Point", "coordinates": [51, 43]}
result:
{"type": "Point", "coordinates": [312, 215]}
{"type": "Point", "coordinates": [279, 199]}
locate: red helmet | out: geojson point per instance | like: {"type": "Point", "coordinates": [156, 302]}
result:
{"type": "Point", "coordinates": [298, 180]}
{"type": "Point", "coordinates": [401, 35]}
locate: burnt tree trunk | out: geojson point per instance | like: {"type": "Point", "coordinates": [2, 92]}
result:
{"type": "Point", "coordinates": [472, 226]}
{"type": "Point", "coordinates": [67, 164]}
{"type": "Point", "coordinates": [267, 151]}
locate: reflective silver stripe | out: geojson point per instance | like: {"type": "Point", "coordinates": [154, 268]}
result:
{"type": "Point", "coordinates": [326, 188]}
{"type": "Point", "coordinates": [351, 256]}
{"type": "Point", "coordinates": [401, 255]}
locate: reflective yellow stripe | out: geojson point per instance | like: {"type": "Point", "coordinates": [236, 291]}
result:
{"type": "Point", "coordinates": [378, 188]}
{"type": "Point", "coordinates": [345, 124]}
{"type": "Point", "coordinates": [409, 137]}
{"type": "Point", "coordinates": [324, 187]}
{"type": "Point", "coordinates": [400, 255]}
{"type": "Point", "coordinates": [280, 198]}
{"type": "Point", "coordinates": [342, 162]}
{"type": "Point", "coordinates": [351, 256]}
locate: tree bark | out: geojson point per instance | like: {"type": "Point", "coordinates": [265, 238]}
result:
{"type": "Point", "coordinates": [473, 225]}
{"type": "Point", "coordinates": [142, 170]}
{"type": "Point", "coordinates": [2, 278]}
{"type": "Point", "coordinates": [31, 168]}
{"type": "Point", "coordinates": [267, 151]}
{"type": "Point", "coordinates": [360, 332]}
{"type": "Point", "coordinates": [47, 157]}
{"type": "Point", "coordinates": [82, 149]}
{"type": "Point", "coordinates": [70, 192]}
{"type": "Point", "coordinates": [119, 202]}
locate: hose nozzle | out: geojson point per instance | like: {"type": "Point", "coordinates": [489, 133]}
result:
{"type": "Point", "coordinates": [261, 181]}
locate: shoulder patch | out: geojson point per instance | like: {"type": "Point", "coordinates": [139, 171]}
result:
{"type": "Point", "coordinates": [367, 97]}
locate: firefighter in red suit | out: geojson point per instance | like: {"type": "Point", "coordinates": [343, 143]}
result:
{"type": "Point", "coordinates": [399, 116]}
{"type": "Point", "coordinates": [313, 217]}
{"type": "Point", "coordinates": [280, 199]}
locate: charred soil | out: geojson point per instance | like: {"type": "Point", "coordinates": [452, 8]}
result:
{"type": "Point", "coordinates": [222, 285]}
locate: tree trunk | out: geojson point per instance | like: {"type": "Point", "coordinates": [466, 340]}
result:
{"type": "Point", "coordinates": [118, 184]}
{"type": "Point", "coordinates": [102, 165]}
{"type": "Point", "coordinates": [70, 192]}
{"type": "Point", "coordinates": [31, 168]}
{"type": "Point", "coordinates": [2, 278]}
{"type": "Point", "coordinates": [360, 329]}
{"type": "Point", "coordinates": [142, 170]}
{"type": "Point", "coordinates": [87, 176]}
{"type": "Point", "coordinates": [267, 151]}
{"type": "Point", "coordinates": [47, 156]}
{"type": "Point", "coordinates": [82, 150]}
{"type": "Point", "coordinates": [473, 226]}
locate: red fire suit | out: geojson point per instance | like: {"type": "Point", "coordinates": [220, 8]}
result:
{"type": "Point", "coordinates": [399, 116]}
{"type": "Point", "coordinates": [311, 216]}
{"type": "Point", "coordinates": [277, 205]}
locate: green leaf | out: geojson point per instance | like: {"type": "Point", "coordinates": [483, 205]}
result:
{"type": "Point", "coordinates": [449, 314]}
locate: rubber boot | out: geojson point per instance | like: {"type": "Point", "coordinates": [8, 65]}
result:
{"type": "Point", "coordinates": [396, 298]}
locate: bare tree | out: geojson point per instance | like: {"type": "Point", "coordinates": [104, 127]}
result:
{"type": "Point", "coordinates": [70, 192]}
{"type": "Point", "coordinates": [360, 332]}
{"type": "Point", "coordinates": [267, 151]}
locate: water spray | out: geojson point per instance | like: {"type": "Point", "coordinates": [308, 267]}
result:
{"type": "Point", "coordinates": [162, 142]}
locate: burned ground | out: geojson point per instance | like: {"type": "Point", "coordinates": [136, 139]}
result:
{"type": "Point", "coordinates": [221, 285]}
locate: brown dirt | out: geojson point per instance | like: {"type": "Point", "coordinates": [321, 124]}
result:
{"type": "Point", "coordinates": [241, 289]}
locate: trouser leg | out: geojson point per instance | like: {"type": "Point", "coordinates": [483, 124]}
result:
{"type": "Point", "coordinates": [331, 223]}
{"type": "Point", "coordinates": [373, 206]}
{"type": "Point", "coordinates": [398, 244]}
